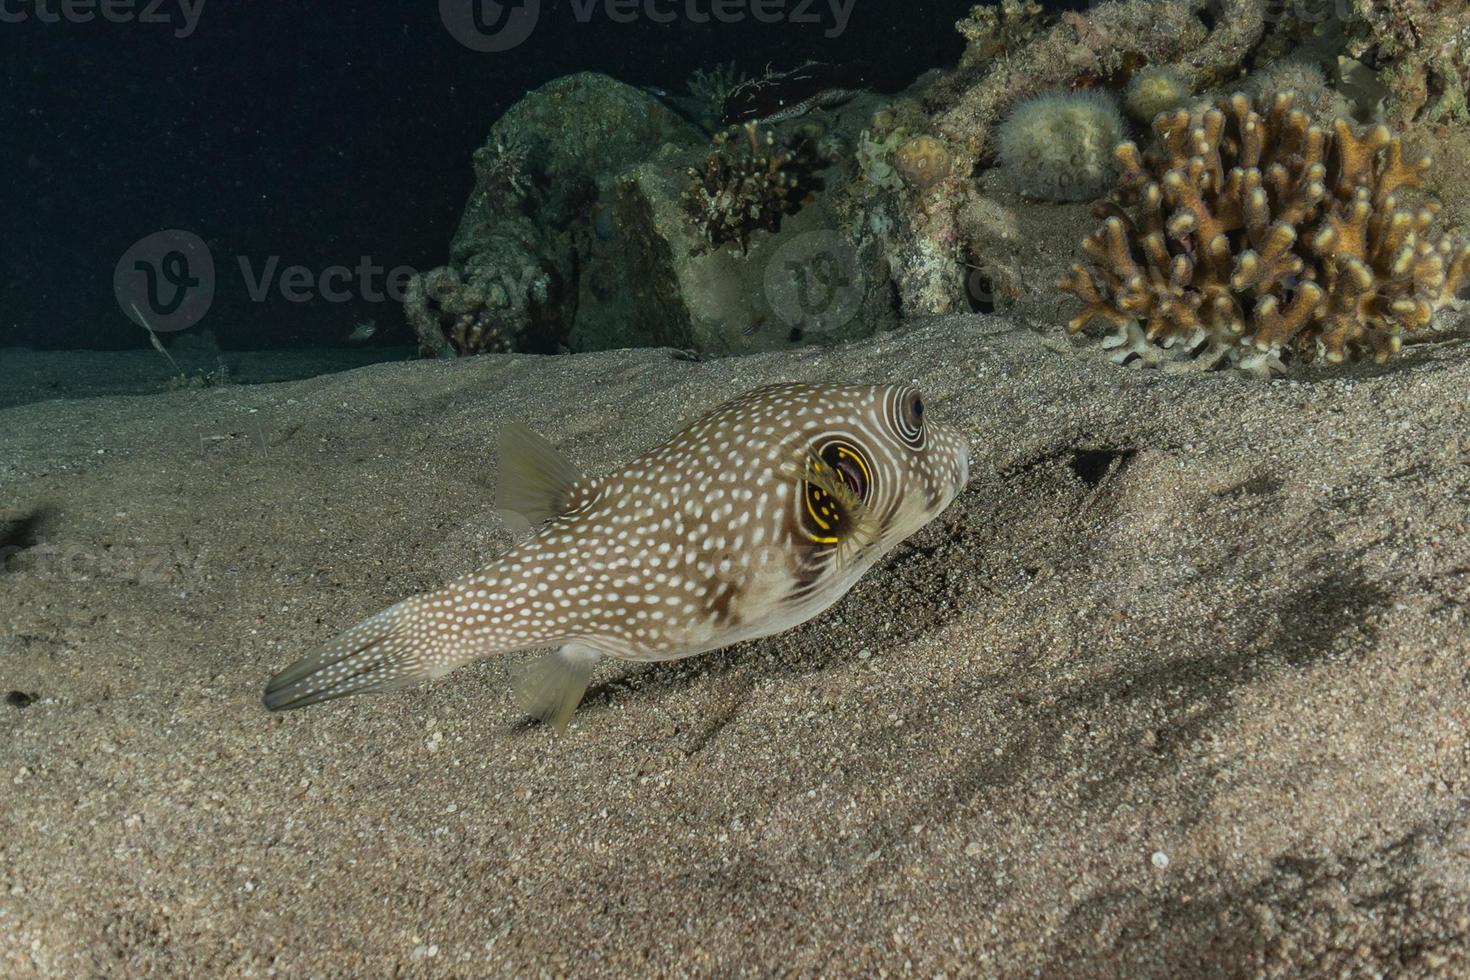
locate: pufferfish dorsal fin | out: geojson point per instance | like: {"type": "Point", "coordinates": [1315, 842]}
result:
{"type": "Point", "coordinates": [536, 481]}
{"type": "Point", "coordinates": [833, 514]}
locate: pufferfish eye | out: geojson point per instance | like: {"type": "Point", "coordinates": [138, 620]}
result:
{"type": "Point", "coordinates": [908, 417]}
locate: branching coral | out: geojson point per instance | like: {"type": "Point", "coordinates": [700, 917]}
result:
{"type": "Point", "coordinates": [1256, 239]}
{"type": "Point", "coordinates": [738, 192]}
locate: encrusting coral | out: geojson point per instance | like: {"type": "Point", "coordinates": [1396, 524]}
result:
{"type": "Point", "coordinates": [1254, 239]}
{"type": "Point", "coordinates": [994, 29]}
{"type": "Point", "coordinates": [923, 161]}
{"type": "Point", "coordinates": [738, 193]}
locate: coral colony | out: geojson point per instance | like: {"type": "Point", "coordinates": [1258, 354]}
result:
{"type": "Point", "coordinates": [1156, 89]}
{"type": "Point", "coordinates": [738, 193]}
{"type": "Point", "coordinates": [1246, 228]}
{"type": "Point", "coordinates": [1258, 239]}
{"type": "Point", "coordinates": [1059, 145]}
{"type": "Point", "coordinates": [922, 161]}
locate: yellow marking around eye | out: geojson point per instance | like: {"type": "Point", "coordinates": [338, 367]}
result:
{"type": "Point", "coordinates": [814, 497]}
{"type": "Point", "coordinates": [857, 457]}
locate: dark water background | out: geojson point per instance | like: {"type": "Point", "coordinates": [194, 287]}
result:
{"type": "Point", "coordinates": [316, 133]}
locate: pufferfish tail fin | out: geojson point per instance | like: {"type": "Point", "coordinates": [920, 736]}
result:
{"type": "Point", "coordinates": [396, 648]}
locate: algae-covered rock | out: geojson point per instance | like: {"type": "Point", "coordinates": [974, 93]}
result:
{"type": "Point", "coordinates": [809, 281]}
{"type": "Point", "coordinates": [1405, 61]}
{"type": "Point", "coordinates": [513, 280]}
{"type": "Point", "coordinates": [579, 236]}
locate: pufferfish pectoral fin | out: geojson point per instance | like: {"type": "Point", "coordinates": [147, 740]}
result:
{"type": "Point", "coordinates": [551, 687]}
{"type": "Point", "coordinates": [535, 479]}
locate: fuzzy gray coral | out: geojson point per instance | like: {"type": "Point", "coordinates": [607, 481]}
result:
{"type": "Point", "coordinates": [1155, 89]}
{"type": "Point", "coordinates": [708, 90]}
{"type": "Point", "coordinates": [1058, 146]}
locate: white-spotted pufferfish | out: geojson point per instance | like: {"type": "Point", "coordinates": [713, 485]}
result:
{"type": "Point", "coordinates": [754, 519]}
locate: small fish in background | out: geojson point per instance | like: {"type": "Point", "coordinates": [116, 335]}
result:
{"type": "Point", "coordinates": [781, 95]}
{"type": "Point", "coordinates": [750, 521]}
{"type": "Point", "coordinates": [363, 332]}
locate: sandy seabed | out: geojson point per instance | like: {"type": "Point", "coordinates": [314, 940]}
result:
{"type": "Point", "coordinates": [1178, 686]}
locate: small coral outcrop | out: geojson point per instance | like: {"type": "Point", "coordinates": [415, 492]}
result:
{"type": "Point", "coordinates": [501, 168]}
{"type": "Point", "coordinates": [875, 153]}
{"type": "Point", "coordinates": [923, 161]}
{"type": "Point", "coordinates": [994, 30]}
{"type": "Point", "coordinates": [1058, 146]}
{"type": "Point", "coordinates": [1156, 89]}
{"type": "Point", "coordinates": [1256, 238]}
{"type": "Point", "coordinates": [533, 233]}
{"type": "Point", "coordinates": [746, 184]}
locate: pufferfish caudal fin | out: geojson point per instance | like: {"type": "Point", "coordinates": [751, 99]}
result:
{"type": "Point", "coordinates": [415, 640]}
{"type": "Point", "coordinates": [382, 653]}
